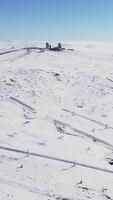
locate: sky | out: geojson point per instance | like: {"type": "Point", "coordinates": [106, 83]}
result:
{"type": "Point", "coordinates": [56, 20]}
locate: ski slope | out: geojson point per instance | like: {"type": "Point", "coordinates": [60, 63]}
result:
{"type": "Point", "coordinates": [56, 121]}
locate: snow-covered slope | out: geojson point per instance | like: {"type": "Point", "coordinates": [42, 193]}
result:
{"type": "Point", "coordinates": [56, 121]}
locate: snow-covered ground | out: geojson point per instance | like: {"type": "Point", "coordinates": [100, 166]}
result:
{"type": "Point", "coordinates": [56, 121]}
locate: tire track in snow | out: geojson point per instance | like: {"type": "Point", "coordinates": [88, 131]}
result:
{"type": "Point", "coordinates": [74, 163]}
{"type": "Point", "coordinates": [22, 103]}
{"type": "Point", "coordinates": [92, 120]}
{"type": "Point", "coordinates": [62, 126]}
{"type": "Point", "coordinates": [23, 187]}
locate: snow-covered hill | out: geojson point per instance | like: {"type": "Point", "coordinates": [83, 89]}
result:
{"type": "Point", "coordinates": [56, 121]}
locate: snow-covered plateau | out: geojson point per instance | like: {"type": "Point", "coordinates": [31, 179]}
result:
{"type": "Point", "coordinates": [56, 121]}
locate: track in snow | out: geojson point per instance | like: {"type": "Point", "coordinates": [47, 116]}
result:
{"type": "Point", "coordinates": [74, 163]}
{"type": "Point", "coordinates": [61, 128]}
{"type": "Point", "coordinates": [92, 120]}
{"type": "Point", "coordinates": [22, 103]}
